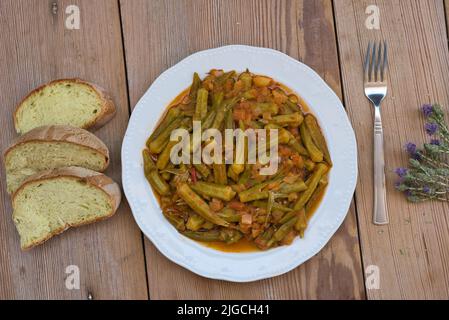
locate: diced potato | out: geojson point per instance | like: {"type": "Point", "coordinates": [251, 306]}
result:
{"type": "Point", "coordinates": [262, 81]}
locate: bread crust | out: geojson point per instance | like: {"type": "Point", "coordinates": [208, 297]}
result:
{"type": "Point", "coordinates": [93, 178]}
{"type": "Point", "coordinates": [107, 112]}
{"type": "Point", "coordinates": [62, 133]}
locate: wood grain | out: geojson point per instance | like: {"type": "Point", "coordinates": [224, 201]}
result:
{"type": "Point", "coordinates": [446, 6]}
{"type": "Point", "coordinates": [412, 252]}
{"type": "Point", "coordinates": [157, 35]}
{"type": "Point", "coordinates": [35, 48]}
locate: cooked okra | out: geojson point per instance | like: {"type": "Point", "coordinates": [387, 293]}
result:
{"type": "Point", "coordinates": [227, 202]}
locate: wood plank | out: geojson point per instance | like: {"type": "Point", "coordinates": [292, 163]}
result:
{"type": "Point", "coordinates": [446, 6]}
{"type": "Point", "coordinates": [35, 48]}
{"type": "Point", "coordinates": [302, 29]}
{"type": "Point", "coordinates": [412, 252]}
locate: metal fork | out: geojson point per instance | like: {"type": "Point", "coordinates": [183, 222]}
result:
{"type": "Point", "coordinates": [375, 66]}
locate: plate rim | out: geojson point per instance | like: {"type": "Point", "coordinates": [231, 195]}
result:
{"type": "Point", "coordinates": [172, 257]}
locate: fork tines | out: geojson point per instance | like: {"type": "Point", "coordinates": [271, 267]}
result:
{"type": "Point", "coordinates": [376, 61]}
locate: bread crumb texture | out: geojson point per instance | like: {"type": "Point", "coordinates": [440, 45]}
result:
{"type": "Point", "coordinates": [29, 158]}
{"type": "Point", "coordinates": [60, 102]}
{"type": "Point", "coordinates": [43, 208]}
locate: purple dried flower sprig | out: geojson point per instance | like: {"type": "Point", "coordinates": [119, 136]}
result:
{"type": "Point", "coordinates": [431, 128]}
{"type": "Point", "coordinates": [427, 176]}
{"type": "Point", "coordinates": [401, 172]}
{"type": "Point", "coordinates": [435, 142]}
{"type": "Point", "coordinates": [427, 110]}
{"type": "Point", "coordinates": [411, 148]}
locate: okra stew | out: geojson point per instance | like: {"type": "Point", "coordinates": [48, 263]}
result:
{"type": "Point", "coordinates": [232, 207]}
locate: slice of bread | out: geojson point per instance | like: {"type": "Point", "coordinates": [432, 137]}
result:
{"type": "Point", "coordinates": [52, 201]}
{"type": "Point", "coordinates": [66, 101]}
{"type": "Point", "coordinates": [51, 147]}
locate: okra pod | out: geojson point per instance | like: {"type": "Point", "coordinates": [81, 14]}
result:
{"type": "Point", "coordinates": [208, 120]}
{"type": "Point", "coordinates": [292, 119]}
{"type": "Point", "coordinates": [148, 163]}
{"type": "Point", "coordinates": [252, 196]}
{"type": "Point", "coordinates": [247, 80]}
{"type": "Point", "coordinates": [276, 206]}
{"type": "Point", "coordinates": [208, 225]}
{"type": "Point", "coordinates": [309, 165]}
{"type": "Point", "coordinates": [245, 175]}
{"type": "Point", "coordinates": [287, 217]}
{"type": "Point", "coordinates": [159, 184]}
{"type": "Point", "coordinates": [231, 174]}
{"type": "Point", "coordinates": [224, 77]}
{"type": "Point", "coordinates": [196, 83]}
{"type": "Point", "coordinates": [297, 186]}
{"type": "Point", "coordinates": [315, 154]}
{"type": "Point", "coordinates": [217, 100]}
{"type": "Point", "coordinates": [285, 136]}
{"type": "Point", "coordinates": [152, 175]}
{"type": "Point", "coordinates": [230, 235]}
{"type": "Point", "coordinates": [283, 230]}
{"type": "Point", "coordinates": [320, 170]}
{"type": "Point", "coordinates": [225, 235]}
{"type": "Point", "coordinates": [220, 174]}
{"type": "Point", "coordinates": [157, 145]}
{"type": "Point", "coordinates": [166, 175]}
{"type": "Point", "coordinates": [164, 156]}
{"type": "Point", "coordinates": [229, 120]}
{"type": "Point", "coordinates": [171, 115]}
{"type": "Point", "coordinates": [263, 241]}
{"type": "Point", "coordinates": [255, 192]}
{"type": "Point", "coordinates": [291, 106]}
{"type": "Point", "coordinates": [256, 124]}
{"type": "Point", "coordinates": [287, 109]}
{"type": "Point", "coordinates": [298, 147]}
{"type": "Point", "coordinates": [230, 215]}
{"type": "Point", "coordinates": [194, 222]}
{"type": "Point", "coordinates": [219, 118]}
{"type": "Point", "coordinates": [197, 204]}
{"type": "Point", "coordinates": [317, 136]}
{"type": "Point", "coordinates": [214, 190]}
{"type": "Point", "coordinates": [237, 168]}
{"type": "Point", "coordinates": [301, 223]}
{"type": "Point", "coordinates": [310, 206]}
{"type": "Point", "coordinates": [203, 169]}
{"type": "Point", "coordinates": [176, 221]}
{"type": "Point", "coordinates": [201, 104]}
{"type": "Point", "coordinates": [221, 112]}
{"type": "Point", "coordinates": [206, 236]}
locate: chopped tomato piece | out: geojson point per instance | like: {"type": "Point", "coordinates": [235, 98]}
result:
{"type": "Point", "coordinates": [284, 151]}
{"type": "Point", "coordinates": [237, 205]}
{"type": "Point", "coordinates": [193, 175]}
{"type": "Point", "coordinates": [239, 114]}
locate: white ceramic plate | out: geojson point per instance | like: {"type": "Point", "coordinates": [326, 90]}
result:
{"type": "Point", "coordinates": [241, 267]}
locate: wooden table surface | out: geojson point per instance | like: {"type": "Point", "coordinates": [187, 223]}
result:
{"type": "Point", "coordinates": [124, 45]}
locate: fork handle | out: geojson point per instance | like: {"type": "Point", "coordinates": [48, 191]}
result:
{"type": "Point", "coordinates": [380, 215]}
